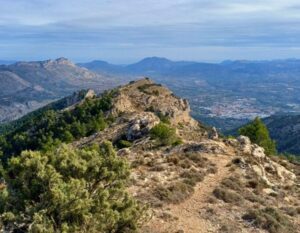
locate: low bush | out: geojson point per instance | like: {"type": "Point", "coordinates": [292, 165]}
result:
{"type": "Point", "coordinates": [233, 183]}
{"type": "Point", "coordinates": [164, 134]}
{"type": "Point", "coordinates": [145, 89]}
{"type": "Point", "coordinates": [192, 176]}
{"type": "Point", "coordinates": [292, 211]}
{"type": "Point", "coordinates": [163, 118]}
{"type": "Point", "coordinates": [174, 193]}
{"type": "Point", "coordinates": [227, 196]}
{"type": "Point", "coordinates": [173, 159]}
{"type": "Point", "coordinates": [270, 219]}
{"type": "Point", "coordinates": [123, 144]}
{"type": "Point", "coordinates": [197, 159]}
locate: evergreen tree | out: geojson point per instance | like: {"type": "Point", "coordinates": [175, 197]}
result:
{"type": "Point", "coordinates": [259, 134]}
{"type": "Point", "coordinates": [68, 190]}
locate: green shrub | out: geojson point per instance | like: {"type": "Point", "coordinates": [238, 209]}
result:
{"type": "Point", "coordinates": [144, 88]}
{"type": "Point", "coordinates": [164, 134]}
{"type": "Point", "coordinates": [123, 144]}
{"type": "Point", "coordinates": [69, 190]}
{"type": "Point", "coordinates": [163, 118]}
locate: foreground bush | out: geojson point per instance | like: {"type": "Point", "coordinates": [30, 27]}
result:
{"type": "Point", "coordinates": [68, 190]}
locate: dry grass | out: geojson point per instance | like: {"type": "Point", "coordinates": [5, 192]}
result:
{"type": "Point", "coordinates": [227, 196]}
{"type": "Point", "coordinates": [192, 176]}
{"type": "Point", "coordinates": [270, 219]}
{"type": "Point", "coordinates": [173, 193]}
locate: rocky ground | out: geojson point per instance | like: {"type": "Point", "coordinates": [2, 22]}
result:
{"type": "Point", "coordinates": [203, 182]}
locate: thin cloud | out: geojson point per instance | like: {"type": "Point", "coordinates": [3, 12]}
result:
{"type": "Point", "coordinates": [138, 27]}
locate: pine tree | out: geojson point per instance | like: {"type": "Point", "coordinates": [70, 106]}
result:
{"type": "Point", "coordinates": [68, 190]}
{"type": "Point", "coordinates": [259, 134]}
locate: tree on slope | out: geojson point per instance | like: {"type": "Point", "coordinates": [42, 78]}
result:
{"type": "Point", "coordinates": [258, 133]}
{"type": "Point", "coordinates": [68, 190]}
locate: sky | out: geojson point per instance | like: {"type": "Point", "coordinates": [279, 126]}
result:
{"type": "Point", "coordinates": [124, 31]}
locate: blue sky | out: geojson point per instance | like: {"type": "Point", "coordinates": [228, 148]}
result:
{"type": "Point", "coordinates": [123, 31]}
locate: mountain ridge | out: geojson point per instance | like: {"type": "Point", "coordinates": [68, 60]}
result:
{"type": "Point", "coordinates": [30, 85]}
{"type": "Point", "coordinates": [229, 93]}
{"type": "Point", "coordinates": [192, 179]}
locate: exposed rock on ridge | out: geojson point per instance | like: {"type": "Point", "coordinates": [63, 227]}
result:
{"type": "Point", "coordinates": [205, 183]}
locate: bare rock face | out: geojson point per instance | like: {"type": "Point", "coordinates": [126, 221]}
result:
{"type": "Point", "coordinates": [258, 152]}
{"type": "Point", "coordinates": [145, 95]}
{"type": "Point", "coordinates": [141, 125]}
{"type": "Point", "coordinates": [90, 94]}
{"type": "Point", "coordinates": [214, 134]}
{"type": "Point", "coordinates": [202, 163]}
{"type": "Point", "coordinates": [248, 148]}
{"type": "Point", "coordinates": [264, 167]}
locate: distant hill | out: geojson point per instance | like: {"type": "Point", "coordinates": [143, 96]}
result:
{"type": "Point", "coordinates": [225, 94]}
{"type": "Point", "coordinates": [102, 66]}
{"type": "Point", "coordinates": [29, 85]}
{"type": "Point", "coordinates": [58, 105]}
{"type": "Point", "coordinates": [6, 62]}
{"type": "Point", "coordinates": [285, 130]}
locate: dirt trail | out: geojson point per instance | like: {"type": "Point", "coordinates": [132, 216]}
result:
{"type": "Point", "coordinates": [187, 213]}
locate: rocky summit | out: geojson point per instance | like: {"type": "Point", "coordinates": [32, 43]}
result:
{"type": "Point", "coordinates": [192, 179]}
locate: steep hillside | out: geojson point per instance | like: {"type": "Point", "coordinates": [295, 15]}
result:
{"type": "Point", "coordinates": [64, 103]}
{"type": "Point", "coordinates": [29, 85]}
{"type": "Point", "coordinates": [285, 130]}
{"type": "Point", "coordinates": [192, 180]}
{"type": "Point", "coordinates": [12, 82]}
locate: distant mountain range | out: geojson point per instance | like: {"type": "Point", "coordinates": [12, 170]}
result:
{"type": "Point", "coordinates": [163, 66]}
{"type": "Point", "coordinates": [6, 62]}
{"type": "Point", "coordinates": [228, 93]}
{"type": "Point", "coordinates": [26, 86]}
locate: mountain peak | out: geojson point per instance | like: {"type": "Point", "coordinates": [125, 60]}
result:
{"type": "Point", "coordinates": [59, 61]}
{"type": "Point", "coordinates": [155, 59]}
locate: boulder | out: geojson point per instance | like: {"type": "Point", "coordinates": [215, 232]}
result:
{"type": "Point", "coordinates": [141, 125]}
{"type": "Point", "coordinates": [123, 152]}
{"type": "Point", "coordinates": [245, 144]}
{"type": "Point", "coordinates": [258, 152]}
{"type": "Point", "coordinates": [214, 134]}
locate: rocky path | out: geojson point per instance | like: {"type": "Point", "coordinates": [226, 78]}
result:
{"type": "Point", "coordinates": [187, 213]}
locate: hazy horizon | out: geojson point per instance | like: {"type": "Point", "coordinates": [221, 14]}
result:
{"type": "Point", "coordinates": [3, 61]}
{"type": "Point", "coordinates": [122, 32]}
